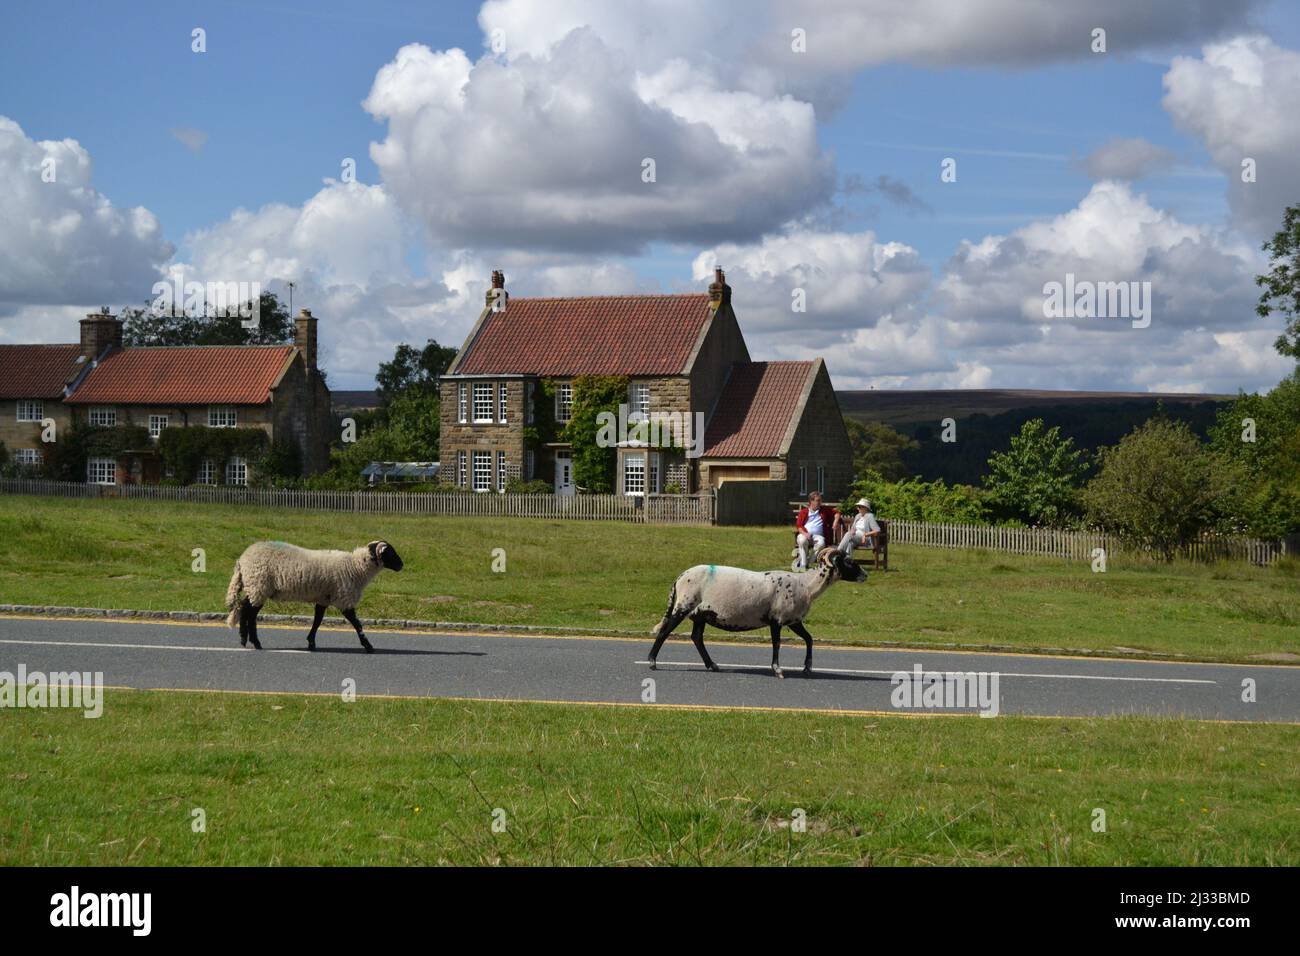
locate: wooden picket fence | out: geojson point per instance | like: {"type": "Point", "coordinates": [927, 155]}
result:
{"type": "Point", "coordinates": [1078, 545]}
{"type": "Point", "coordinates": [654, 509]}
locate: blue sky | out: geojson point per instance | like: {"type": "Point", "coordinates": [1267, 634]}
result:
{"type": "Point", "coordinates": [819, 172]}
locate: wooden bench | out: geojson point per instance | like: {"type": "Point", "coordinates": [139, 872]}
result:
{"type": "Point", "coordinates": [879, 554]}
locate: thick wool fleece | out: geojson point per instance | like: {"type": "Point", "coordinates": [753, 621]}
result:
{"type": "Point", "coordinates": [274, 570]}
{"type": "Point", "coordinates": [738, 600]}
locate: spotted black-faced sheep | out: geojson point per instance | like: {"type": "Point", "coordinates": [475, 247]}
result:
{"type": "Point", "coordinates": [734, 599]}
{"type": "Point", "coordinates": [274, 570]}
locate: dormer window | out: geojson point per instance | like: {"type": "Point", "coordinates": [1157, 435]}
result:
{"type": "Point", "coordinates": [222, 416]}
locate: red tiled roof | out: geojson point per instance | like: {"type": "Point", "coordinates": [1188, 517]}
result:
{"type": "Point", "coordinates": [595, 335]}
{"type": "Point", "coordinates": [184, 375]}
{"type": "Point", "coordinates": [757, 406]}
{"type": "Point", "coordinates": [36, 371]}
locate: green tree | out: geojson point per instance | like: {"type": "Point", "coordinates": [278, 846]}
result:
{"type": "Point", "coordinates": [1037, 481]}
{"type": "Point", "coordinates": [1257, 440]}
{"type": "Point", "coordinates": [413, 370]}
{"type": "Point", "coordinates": [1281, 284]}
{"type": "Point", "coordinates": [147, 327]}
{"type": "Point", "coordinates": [879, 448]}
{"type": "Point", "coordinates": [1157, 488]}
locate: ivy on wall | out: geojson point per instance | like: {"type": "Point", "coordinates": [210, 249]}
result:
{"type": "Point", "coordinates": [65, 459]}
{"type": "Point", "coordinates": [593, 466]}
{"type": "Point", "coordinates": [542, 431]}
{"type": "Point", "coordinates": [183, 450]}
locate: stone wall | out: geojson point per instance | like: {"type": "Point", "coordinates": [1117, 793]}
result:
{"type": "Point", "coordinates": [300, 411]}
{"type": "Point", "coordinates": [723, 345]}
{"type": "Point", "coordinates": [15, 434]}
{"type": "Point", "coordinates": [821, 440]}
{"type": "Point", "coordinates": [469, 437]}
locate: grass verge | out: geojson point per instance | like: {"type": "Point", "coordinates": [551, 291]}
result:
{"type": "Point", "coordinates": [284, 779]}
{"type": "Point", "coordinates": [139, 555]}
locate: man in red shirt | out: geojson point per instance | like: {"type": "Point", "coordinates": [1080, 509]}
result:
{"type": "Point", "coordinates": [814, 526]}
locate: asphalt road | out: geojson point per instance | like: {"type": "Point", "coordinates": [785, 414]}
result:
{"type": "Point", "coordinates": [611, 670]}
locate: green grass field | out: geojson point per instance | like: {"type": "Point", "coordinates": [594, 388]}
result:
{"type": "Point", "coordinates": [133, 554]}
{"type": "Point", "coordinates": [313, 780]}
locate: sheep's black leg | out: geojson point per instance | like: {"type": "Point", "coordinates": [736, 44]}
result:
{"type": "Point", "coordinates": [351, 615]}
{"type": "Point", "coordinates": [802, 631]}
{"type": "Point", "coordinates": [669, 625]}
{"type": "Point", "coordinates": [245, 612]}
{"type": "Point", "coordinates": [776, 649]}
{"type": "Point", "coordinates": [697, 635]}
{"type": "Point", "coordinates": [311, 637]}
{"type": "Point", "coordinates": [252, 612]}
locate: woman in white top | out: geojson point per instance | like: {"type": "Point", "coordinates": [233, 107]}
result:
{"type": "Point", "coordinates": [864, 531]}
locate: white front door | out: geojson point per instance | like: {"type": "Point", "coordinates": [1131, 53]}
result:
{"type": "Point", "coordinates": [564, 473]}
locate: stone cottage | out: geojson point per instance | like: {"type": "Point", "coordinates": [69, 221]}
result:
{"type": "Point", "coordinates": [727, 417]}
{"type": "Point", "coordinates": [277, 388]}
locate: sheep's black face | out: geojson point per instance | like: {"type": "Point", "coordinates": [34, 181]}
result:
{"type": "Point", "coordinates": [386, 554]}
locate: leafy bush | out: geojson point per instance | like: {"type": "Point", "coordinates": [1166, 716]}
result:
{"type": "Point", "coordinates": [914, 500]}
{"type": "Point", "coordinates": [183, 450]}
{"type": "Point", "coordinates": [1156, 488]}
{"type": "Point", "coordinates": [517, 486]}
{"type": "Point", "coordinates": [65, 459]}
{"type": "Point", "coordinates": [280, 466]}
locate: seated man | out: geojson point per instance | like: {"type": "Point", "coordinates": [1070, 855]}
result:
{"type": "Point", "coordinates": [813, 528]}
{"type": "Point", "coordinates": [863, 532]}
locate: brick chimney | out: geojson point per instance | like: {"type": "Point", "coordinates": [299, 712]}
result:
{"type": "Point", "coordinates": [99, 330]}
{"type": "Point", "coordinates": [719, 291]}
{"type": "Point", "coordinates": [304, 335]}
{"type": "Point", "coordinates": [497, 295]}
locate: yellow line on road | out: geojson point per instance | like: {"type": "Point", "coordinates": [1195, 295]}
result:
{"type": "Point", "coordinates": [823, 711]}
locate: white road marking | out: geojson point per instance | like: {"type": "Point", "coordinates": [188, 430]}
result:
{"type": "Point", "coordinates": [947, 674]}
{"type": "Point", "coordinates": [162, 647]}
{"type": "Point", "coordinates": [688, 664]}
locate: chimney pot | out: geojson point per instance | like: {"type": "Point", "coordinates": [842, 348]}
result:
{"type": "Point", "coordinates": [100, 331]}
{"type": "Point", "coordinates": [304, 336]}
{"type": "Point", "coordinates": [719, 291]}
{"type": "Point", "coordinates": [497, 297]}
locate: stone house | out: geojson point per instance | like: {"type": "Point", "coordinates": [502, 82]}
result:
{"type": "Point", "coordinates": [720, 416]}
{"type": "Point", "coordinates": [277, 388]}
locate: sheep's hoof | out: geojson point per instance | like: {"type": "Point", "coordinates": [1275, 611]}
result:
{"type": "Point", "coordinates": [653, 666]}
{"type": "Point", "coordinates": [807, 671]}
{"type": "Point", "coordinates": [778, 672]}
{"type": "Point", "coordinates": [713, 667]}
{"type": "Point", "coordinates": [368, 646]}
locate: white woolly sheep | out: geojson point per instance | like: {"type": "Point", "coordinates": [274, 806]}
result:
{"type": "Point", "coordinates": [734, 599]}
{"type": "Point", "coordinates": [271, 570]}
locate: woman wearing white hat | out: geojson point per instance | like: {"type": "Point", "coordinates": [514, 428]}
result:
{"type": "Point", "coordinates": [864, 532]}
